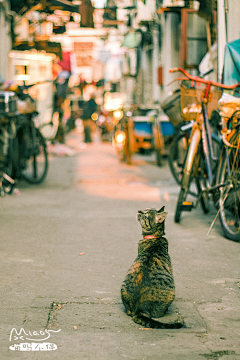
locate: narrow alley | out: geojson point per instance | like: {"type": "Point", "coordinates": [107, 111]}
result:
{"type": "Point", "coordinates": [67, 244]}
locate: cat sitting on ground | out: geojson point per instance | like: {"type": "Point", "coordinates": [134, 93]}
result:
{"type": "Point", "coordinates": [148, 289]}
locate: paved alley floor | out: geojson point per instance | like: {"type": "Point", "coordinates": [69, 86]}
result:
{"type": "Point", "coordinates": [66, 246]}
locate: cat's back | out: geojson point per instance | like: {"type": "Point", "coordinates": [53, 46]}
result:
{"type": "Point", "coordinates": [157, 267]}
{"type": "Point", "coordinates": [151, 269]}
{"type": "Point", "coordinates": [149, 285]}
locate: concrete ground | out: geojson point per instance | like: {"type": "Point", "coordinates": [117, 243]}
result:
{"type": "Point", "coordinates": [67, 244]}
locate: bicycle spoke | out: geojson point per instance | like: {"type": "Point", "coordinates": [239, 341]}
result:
{"type": "Point", "coordinates": [230, 194]}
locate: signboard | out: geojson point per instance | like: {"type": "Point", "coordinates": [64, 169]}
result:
{"type": "Point", "coordinates": [83, 60]}
{"type": "Point", "coordinates": [83, 52]}
{"type": "Point", "coordinates": [83, 46]}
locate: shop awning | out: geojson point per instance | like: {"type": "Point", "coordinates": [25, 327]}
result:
{"type": "Point", "coordinates": [22, 6]}
{"type": "Point", "coordinates": [48, 46]}
{"type": "Point", "coordinates": [48, 6]}
{"type": "Point", "coordinates": [65, 5]}
{"type": "Point", "coordinates": [132, 39]}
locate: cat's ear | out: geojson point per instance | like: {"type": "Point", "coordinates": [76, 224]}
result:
{"type": "Point", "coordinates": [160, 217]}
{"type": "Point", "coordinates": [161, 210]}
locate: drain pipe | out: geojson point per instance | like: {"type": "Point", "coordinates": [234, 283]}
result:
{"type": "Point", "coordinates": [222, 34]}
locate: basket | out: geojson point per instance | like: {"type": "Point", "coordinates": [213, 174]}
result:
{"type": "Point", "coordinates": [191, 99]}
{"type": "Point", "coordinates": [172, 108]}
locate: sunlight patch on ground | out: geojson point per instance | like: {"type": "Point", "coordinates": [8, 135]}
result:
{"type": "Point", "coordinates": [139, 192]}
{"type": "Point", "coordinates": [99, 173]}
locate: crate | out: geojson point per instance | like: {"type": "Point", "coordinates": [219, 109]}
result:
{"type": "Point", "coordinates": [167, 128]}
{"type": "Point", "coordinates": [191, 100]}
{"type": "Point", "coordinates": [172, 108]}
{"type": "Point", "coordinates": [8, 103]}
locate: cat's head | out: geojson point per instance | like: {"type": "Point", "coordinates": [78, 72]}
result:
{"type": "Point", "coordinates": [152, 221]}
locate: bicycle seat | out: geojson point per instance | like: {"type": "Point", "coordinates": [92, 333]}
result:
{"type": "Point", "coordinates": [26, 106]}
{"type": "Point", "coordinates": [228, 104]}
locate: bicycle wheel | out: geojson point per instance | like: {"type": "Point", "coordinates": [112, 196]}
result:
{"type": "Point", "coordinates": [187, 176]}
{"type": "Point", "coordinates": [10, 170]}
{"type": "Point", "coordinates": [201, 184]}
{"type": "Point", "coordinates": [201, 180]}
{"type": "Point", "coordinates": [229, 201]}
{"type": "Point", "coordinates": [181, 198]}
{"type": "Point", "coordinates": [176, 156]}
{"type": "Point", "coordinates": [7, 169]}
{"type": "Point", "coordinates": [30, 154]}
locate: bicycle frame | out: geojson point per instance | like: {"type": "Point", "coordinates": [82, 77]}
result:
{"type": "Point", "coordinates": [192, 151]}
{"type": "Point", "coordinates": [207, 143]}
{"type": "Point", "coordinates": [201, 132]}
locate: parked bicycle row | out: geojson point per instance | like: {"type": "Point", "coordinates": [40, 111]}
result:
{"type": "Point", "coordinates": [23, 149]}
{"type": "Point", "coordinates": [205, 150]}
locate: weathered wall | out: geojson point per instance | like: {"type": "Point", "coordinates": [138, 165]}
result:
{"type": "Point", "coordinates": [170, 53]}
{"type": "Point", "coordinates": [233, 20]}
{"type": "Point", "coordinates": [5, 42]}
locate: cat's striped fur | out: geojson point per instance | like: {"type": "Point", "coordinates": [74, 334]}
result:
{"type": "Point", "coordinates": [148, 289]}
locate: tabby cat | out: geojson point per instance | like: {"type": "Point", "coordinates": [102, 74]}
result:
{"type": "Point", "coordinates": [148, 289]}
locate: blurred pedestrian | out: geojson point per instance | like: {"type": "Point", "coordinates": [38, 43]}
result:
{"type": "Point", "coordinates": [89, 108]}
{"type": "Point", "coordinates": [61, 85]}
{"type": "Point", "coordinates": [82, 84]}
{"type": "Point", "coordinates": [136, 110]}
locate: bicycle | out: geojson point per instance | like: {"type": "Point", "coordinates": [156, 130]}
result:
{"type": "Point", "coordinates": [28, 148]}
{"type": "Point", "coordinates": [221, 179]}
{"type": "Point", "coordinates": [228, 177]}
{"type": "Point", "coordinates": [179, 140]}
{"type": "Point", "coordinates": [8, 111]}
{"type": "Point", "coordinates": [178, 150]}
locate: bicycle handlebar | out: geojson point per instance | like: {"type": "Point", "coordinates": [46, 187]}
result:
{"type": "Point", "coordinates": [20, 88]}
{"type": "Point", "coordinates": [204, 81]}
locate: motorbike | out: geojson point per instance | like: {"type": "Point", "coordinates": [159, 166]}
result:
{"type": "Point", "coordinates": [138, 132]}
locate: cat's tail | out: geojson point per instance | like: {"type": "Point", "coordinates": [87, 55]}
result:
{"type": "Point", "coordinates": [148, 322]}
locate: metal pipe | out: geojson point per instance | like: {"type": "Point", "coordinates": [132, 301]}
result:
{"type": "Point", "coordinates": [205, 146]}
{"type": "Point", "coordinates": [222, 36]}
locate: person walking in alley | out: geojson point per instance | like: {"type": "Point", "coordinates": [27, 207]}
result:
{"type": "Point", "coordinates": [61, 90]}
{"type": "Point", "coordinates": [88, 109]}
